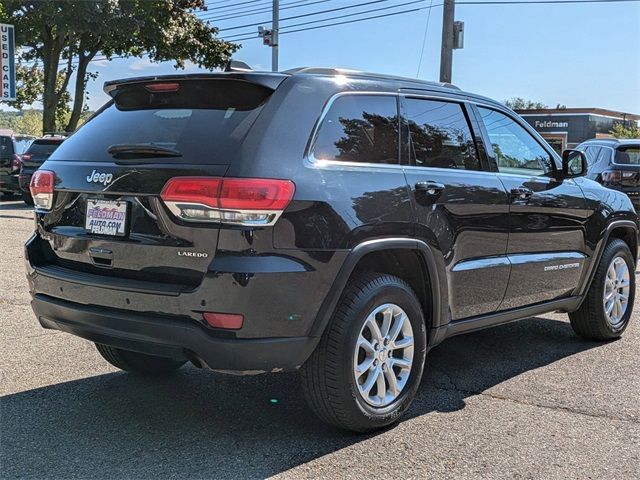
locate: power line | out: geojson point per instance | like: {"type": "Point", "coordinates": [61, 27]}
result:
{"type": "Point", "coordinates": [413, 2]}
{"type": "Point", "coordinates": [211, 16]}
{"type": "Point", "coordinates": [311, 14]}
{"type": "Point", "coordinates": [235, 8]}
{"type": "Point", "coordinates": [479, 2]}
{"type": "Point", "coordinates": [350, 21]}
{"type": "Point", "coordinates": [424, 38]}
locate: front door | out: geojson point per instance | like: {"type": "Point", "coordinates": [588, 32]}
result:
{"type": "Point", "coordinates": [546, 240]}
{"type": "Point", "coordinates": [460, 209]}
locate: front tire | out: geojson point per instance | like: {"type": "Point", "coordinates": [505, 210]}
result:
{"type": "Point", "coordinates": [606, 310]}
{"type": "Point", "coordinates": [367, 367]}
{"type": "Point", "coordinates": [139, 363]}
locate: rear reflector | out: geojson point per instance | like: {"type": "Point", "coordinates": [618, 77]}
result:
{"type": "Point", "coordinates": [228, 321]}
{"type": "Point", "coordinates": [162, 87]}
{"type": "Point", "coordinates": [239, 201]}
{"type": "Point", "coordinates": [42, 187]}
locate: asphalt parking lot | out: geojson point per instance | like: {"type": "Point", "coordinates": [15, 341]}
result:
{"type": "Point", "coordinates": [524, 400]}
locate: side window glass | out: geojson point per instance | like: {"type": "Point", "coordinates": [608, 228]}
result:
{"type": "Point", "coordinates": [359, 128]}
{"type": "Point", "coordinates": [439, 135]}
{"type": "Point", "coordinates": [515, 150]}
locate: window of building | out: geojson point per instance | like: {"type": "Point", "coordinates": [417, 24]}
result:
{"type": "Point", "coordinates": [516, 151]}
{"type": "Point", "coordinates": [439, 135]}
{"type": "Point", "coordinates": [361, 129]}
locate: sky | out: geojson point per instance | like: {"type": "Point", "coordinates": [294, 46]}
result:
{"type": "Point", "coordinates": [578, 55]}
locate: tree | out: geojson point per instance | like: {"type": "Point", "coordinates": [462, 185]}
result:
{"type": "Point", "coordinates": [30, 123]}
{"type": "Point", "coordinates": [620, 130]}
{"type": "Point", "coordinates": [29, 88]}
{"type": "Point", "coordinates": [65, 36]}
{"type": "Point", "coordinates": [519, 103]}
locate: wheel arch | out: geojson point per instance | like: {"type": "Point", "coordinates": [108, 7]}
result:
{"type": "Point", "coordinates": [395, 256]}
{"type": "Point", "coordinates": [627, 231]}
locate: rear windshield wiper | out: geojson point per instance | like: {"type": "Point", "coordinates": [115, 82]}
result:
{"type": "Point", "coordinates": [137, 150]}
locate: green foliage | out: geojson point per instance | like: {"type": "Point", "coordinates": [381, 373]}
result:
{"type": "Point", "coordinates": [625, 131]}
{"type": "Point", "coordinates": [519, 103]}
{"type": "Point", "coordinates": [64, 36]}
{"type": "Point", "coordinates": [30, 123]}
{"type": "Point", "coordinates": [8, 120]}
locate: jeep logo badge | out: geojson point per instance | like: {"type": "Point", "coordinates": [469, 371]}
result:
{"type": "Point", "coordinates": [103, 178]}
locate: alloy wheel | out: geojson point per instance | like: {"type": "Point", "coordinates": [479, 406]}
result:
{"type": "Point", "coordinates": [617, 286]}
{"type": "Point", "coordinates": [383, 355]}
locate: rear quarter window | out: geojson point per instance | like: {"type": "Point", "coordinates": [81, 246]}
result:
{"type": "Point", "coordinates": [359, 129]}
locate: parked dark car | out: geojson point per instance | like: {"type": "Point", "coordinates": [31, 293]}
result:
{"type": "Point", "coordinates": [615, 164]}
{"type": "Point", "coordinates": [339, 223]}
{"type": "Point", "coordinates": [35, 155]}
{"type": "Point", "coordinates": [9, 166]}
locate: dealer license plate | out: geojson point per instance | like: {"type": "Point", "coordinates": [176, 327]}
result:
{"type": "Point", "coordinates": [106, 217]}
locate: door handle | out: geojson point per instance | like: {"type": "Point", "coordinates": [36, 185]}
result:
{"type": "Point", "coordinates": [430, 188]}
{"type": "Point", "coordinates": [521, 192]}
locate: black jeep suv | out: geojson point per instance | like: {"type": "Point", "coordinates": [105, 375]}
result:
{"type": "Point", "coordinates": [336, 222]}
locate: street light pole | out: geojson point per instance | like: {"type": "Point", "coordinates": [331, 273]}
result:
{"type": "Point", "coordinates": [275, 26]}
{"type": "Point", "coordinates": [446, 53]}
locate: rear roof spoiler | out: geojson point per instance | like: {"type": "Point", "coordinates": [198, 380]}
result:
{"type": "Point", "coordinates": [268, 80]}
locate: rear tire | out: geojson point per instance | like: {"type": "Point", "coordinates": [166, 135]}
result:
{"type": "Point", "coordinates": [135, 362]}
{"type": "Point", "coordinates": [363, 377]}
{"type": "Point", "coordinates": [605, 313]}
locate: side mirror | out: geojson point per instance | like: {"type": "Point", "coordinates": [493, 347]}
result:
{"type": "Point", "coordinates": [574, 163]}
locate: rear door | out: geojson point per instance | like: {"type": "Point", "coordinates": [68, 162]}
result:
{"type": "Point", "coordinates": [459, 208]}
{"type": "Point", "coordinates": [547, 217]}
{"type": "Point", "coordinates": [108, 219]}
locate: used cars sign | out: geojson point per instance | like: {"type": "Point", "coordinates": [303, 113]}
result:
{"type": "Point", "coordinates": [7, 63]}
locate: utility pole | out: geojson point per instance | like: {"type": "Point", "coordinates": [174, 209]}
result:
{"type": "Point", "coordinates": [446, 54]}
{"type": "Point", "coordinates": [275, 26]}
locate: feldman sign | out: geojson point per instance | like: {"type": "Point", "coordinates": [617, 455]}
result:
{"type": "Point", "coordinates": [550, 124]}
{"type": "Point", "coordinates": [7, 63]}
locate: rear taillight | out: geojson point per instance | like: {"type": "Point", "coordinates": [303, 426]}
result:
{"type": "Point", "coordinates": [238, 201]}
{"type": "Point", "coordinates": [42, 185]}
{"type": "Point", "coordinates": [16, 163]}
{"type": "Point", "coordinates": [25, 156]}
{"type": "Point", "coordinates": [616, 176]}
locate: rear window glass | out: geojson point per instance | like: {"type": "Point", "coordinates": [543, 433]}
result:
{"type": "Point", "coordinates": [205, 121]}
{"type": "Point", "coordinates": [628, 155]}
{"type": "Point", "coordinates": [43, 149]}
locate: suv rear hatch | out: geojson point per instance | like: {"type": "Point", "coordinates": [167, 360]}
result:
{"type": "Point", "coordinates": [108, 220]}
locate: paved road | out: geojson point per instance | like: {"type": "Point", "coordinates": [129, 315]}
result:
{"type": "Point", "coordinates": [525, 400]}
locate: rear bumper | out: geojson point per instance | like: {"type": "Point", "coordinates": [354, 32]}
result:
{"type": "Point", "coordinates": [170, 337]}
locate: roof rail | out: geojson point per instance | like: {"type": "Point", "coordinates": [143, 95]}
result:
{"type": "Point", "coordinates": [346, 71]}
